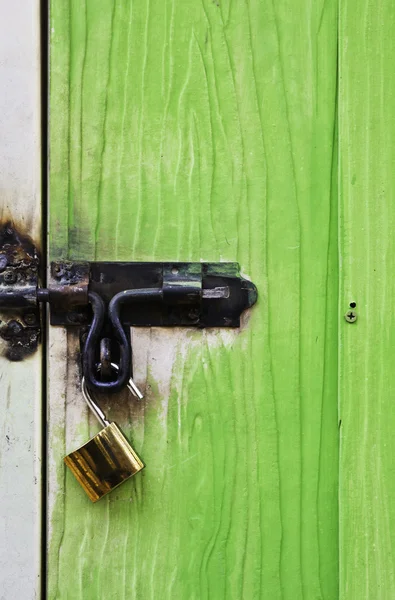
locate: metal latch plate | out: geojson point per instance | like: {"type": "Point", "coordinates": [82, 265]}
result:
{"type": "Point", "coordinates": [19, 274]}
{"type": "Point", "coordinates": [194, 294]}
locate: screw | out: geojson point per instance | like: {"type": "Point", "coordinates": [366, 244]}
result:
{"type": "Point", "coordinates": [14, 327]}
{"type": "Point", "coordinates": [193, 314]}
{"type": "Point", "coordinates": [58, 271]}
{"type": "Point", "coordinates": [10, 277]}
{"type": "Point", "coordinates": [72, 317]}
{"type": "Point", "coordinates": [30, 319]}
{"type": "Point", "coordinates": [351, 316]}
{"type": "Point", "coordinates": [76, 318]}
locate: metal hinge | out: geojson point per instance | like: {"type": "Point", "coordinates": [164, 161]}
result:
{"type": "Point", "coordinates": [104, 299]}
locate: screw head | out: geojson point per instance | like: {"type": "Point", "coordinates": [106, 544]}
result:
{"type": "Point", "coordinates": [193, 314]}
{"type": "Point", "coordinates": [14, 327]}
{"type": "Point", "coordinates": [76, 318]}
{"type": "Point", "coordinates": [351, 316]}
{"type": "Point", "coordinates": [30, 319]}
{"type": "Point", "coordinates": [10, 277]}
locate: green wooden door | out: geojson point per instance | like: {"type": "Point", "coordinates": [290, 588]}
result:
{"type": "Point", "coordinates": [367, 258]}
{"type": "Point", "coordinates": [230, 131]}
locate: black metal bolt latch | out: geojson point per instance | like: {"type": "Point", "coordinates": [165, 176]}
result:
{"type": "Point", "coordinates": [103, 299]}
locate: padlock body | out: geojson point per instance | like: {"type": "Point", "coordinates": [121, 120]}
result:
{"type": "Point", "coordinates": [104, 462]}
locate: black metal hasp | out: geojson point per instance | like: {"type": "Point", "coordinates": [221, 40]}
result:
{"type": "Point", "coordinates": [104, 299]}
{"type": "Point", "coordinates": [178, 294]}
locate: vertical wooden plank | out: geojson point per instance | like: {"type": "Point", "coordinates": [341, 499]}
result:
{"type": "Point", "coordinates": [203, 131]}
{"type": "Point", "coordinates": [367, 386]}
{"type": "Point", "coordinates": [20, 391]}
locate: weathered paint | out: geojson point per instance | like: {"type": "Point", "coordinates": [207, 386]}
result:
{"type": "Point", "coordinates": [20, 383]}
{"type": "Point", "coordinates": [202, 131]}
{"type": "Point", "coordinates": [20, 330]}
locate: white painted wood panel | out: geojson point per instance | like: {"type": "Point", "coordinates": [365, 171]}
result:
{"type": "Point", "coordinates": [20, 382]}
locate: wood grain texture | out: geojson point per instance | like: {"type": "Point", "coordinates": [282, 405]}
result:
{"type": "Point", "coordinates": [203, 131]}
{"type": "Point", "coordinates": [20, 382]}
{"type": "Point", "coordinates": [367, 387]}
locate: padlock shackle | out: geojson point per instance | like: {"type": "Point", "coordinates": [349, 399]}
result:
{"type": "Point", "coordinates": [95, 408]}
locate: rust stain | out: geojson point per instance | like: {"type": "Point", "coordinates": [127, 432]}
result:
{"type": "Point", "coordinates": [20, 340]}
{"type": "Point", "coordinates": [13, 238]}
{"type": "Point", "coordinates": [19, 266]}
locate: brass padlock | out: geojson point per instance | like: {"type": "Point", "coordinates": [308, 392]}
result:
{"type": "Point", "coordinates": [107, 460]}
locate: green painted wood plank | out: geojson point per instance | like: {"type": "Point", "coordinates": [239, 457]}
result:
{"type": "Point", "coordinates": [203, 130]}
{"type": "Point", "coordinates": [367, 388]}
